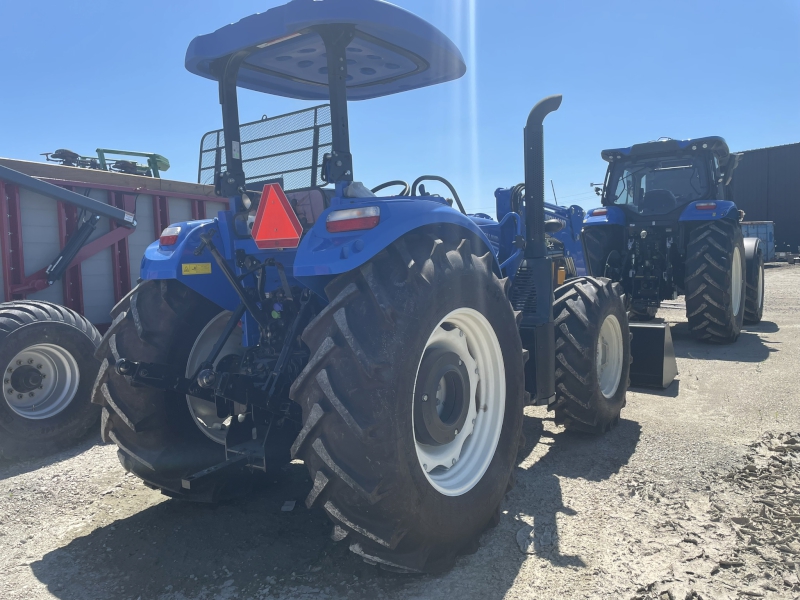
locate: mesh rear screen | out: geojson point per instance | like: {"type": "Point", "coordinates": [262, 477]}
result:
{"type": "Point", "coordinates": [289, 146]}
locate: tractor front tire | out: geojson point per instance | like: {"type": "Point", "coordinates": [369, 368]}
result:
{"type": "Point", "coordinates": [155, 433]}
{"type": "Point", "coordinates": [715, 282]}
{"type": "Point", "coordinates": [47, 358]}
{"type": "Point", "coordinates": [403, 501]}
{"type": "Point", "coordinates": [593, 354]}
{"type": "Point", "coordinates": [754, 299]}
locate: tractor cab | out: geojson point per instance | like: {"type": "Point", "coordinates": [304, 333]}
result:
{"type": "Point", "coordinates": [657, 178]}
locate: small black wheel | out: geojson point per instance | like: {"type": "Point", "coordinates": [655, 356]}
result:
{"type": "Point", "coordinates": [715, 285]}
{"type": "Point", "coordinates": [754, 280]}
{"type": "Point", "coordinates": [161, 435]}
{"type": "Point", "coordinates": [48, 363]}
{"type": "Point", "coordinates": [593, 354]}
{"type": "Point", "coordinates": [412, 403]}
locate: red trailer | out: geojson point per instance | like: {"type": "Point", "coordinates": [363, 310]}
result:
{"type": "Point", "coordinates": [68, 254]}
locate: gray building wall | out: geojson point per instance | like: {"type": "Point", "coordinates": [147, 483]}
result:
{"type": "Point", "coordinates": [766, 185]}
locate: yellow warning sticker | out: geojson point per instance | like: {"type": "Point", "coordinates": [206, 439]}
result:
{"type": "Point", "coordinates": [197, 269]}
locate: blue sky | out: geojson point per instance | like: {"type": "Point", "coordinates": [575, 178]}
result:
{"type": "Point", "coordinates": [85, 75]}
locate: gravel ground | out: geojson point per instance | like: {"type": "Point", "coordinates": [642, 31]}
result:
{"type": "Point", "coordinates": [696, 494]}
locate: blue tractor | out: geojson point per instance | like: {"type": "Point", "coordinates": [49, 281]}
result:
{"type": "Point", "coordinates": [389, 342]}
{"type": "Point", "coordinates": [665, 230]}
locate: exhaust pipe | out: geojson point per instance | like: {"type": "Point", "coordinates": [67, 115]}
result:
{"type": "Point", "coordinates": [535, 246]}
{"type": "Point", "coordinates": [532, 292]}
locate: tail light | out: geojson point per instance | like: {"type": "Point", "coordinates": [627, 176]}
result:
{"type": "Point", "coordinates": [599, 212]}
{"type": "Point", "coordinates": [705, 205]}
{"type": "Point", "coordinates": [169, 236]}
{"type": "Point", "coordinates": [353, 219]}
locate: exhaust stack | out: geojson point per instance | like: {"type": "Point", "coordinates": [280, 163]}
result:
{"type": "Point", "coordinates": [535, 246]}
{"type": "Point", "coordinates": [533, 286]}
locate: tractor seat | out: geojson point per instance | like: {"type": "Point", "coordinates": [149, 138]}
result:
{"type": "Point", "coordinates": [658, 201]}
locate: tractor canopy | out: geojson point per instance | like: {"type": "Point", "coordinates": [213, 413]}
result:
{"type": "Point", "coordinates": [282, 50]}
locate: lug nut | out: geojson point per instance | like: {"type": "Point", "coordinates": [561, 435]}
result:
{"type": "Point", "coordinates": [30, 394]}
{"type": "Point", "coordinates": [19, 396]}
{"type": "Point", "coordinates": [19, 362]}
{"type": "Point", "coordinates": [10, 391]}
{"type": "Point", "coordinates": [454, 461]}
{"type": "Point", "coordinates": [38, 366]}
{"type": "Point", "coordinates": [476, 370]}
{"type": "Point", "coordinates": [425, 467]}
{"type": "Point", "coordinates": [456, 431]}
{"type": "Point", "coordinates": [6, 381]}
{"type": "Point", "coordinates": [424, 397]}
{"type": "Point", "coordinates": [30, 361]}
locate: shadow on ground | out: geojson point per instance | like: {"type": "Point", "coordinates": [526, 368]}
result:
{"type": "Point", "coordinates": [573, 456]}
{"type": "Point", "coordinates": [671, 391]}
{"type": "Point", "coordinates": [182, 550]}
{"type": "Point", "coordinates": [750, 347]}
{"type": "Point", "coordinates": [177, 550]}
{"type": "Point", "coordinates": [12, 468]}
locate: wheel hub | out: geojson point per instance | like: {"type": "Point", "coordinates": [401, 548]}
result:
{"type": "Point", "coordinates": [26, 379]}
{"type": "Point", "coordinates": [609, 356]}
{"type": "Point", "coordinates": [204, 412]}
{"type": "Point", "coordinates": [442, 398]}
{"type": "Point", "coordinates": [40, 381]}
{"type": "Point", "coordinates": [736, 281]}
{"type": "Point", "coordinates": [467, 399]}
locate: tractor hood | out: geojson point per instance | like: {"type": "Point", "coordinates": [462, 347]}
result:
{"type": "Point", "coordinates": [392, 51]}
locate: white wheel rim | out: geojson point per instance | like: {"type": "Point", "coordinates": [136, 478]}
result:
{"type": "Point", "coordinates": [204, 412]}
{"type": "Point", "coordinates": [736, 281]}
{"type": "Point", "coordinates": [609, 356]}
{"type": "Point", "coordinates": [760, 289]}
{"type": "Point", "coordinates": [455, 468]}
{"type": "Point", "coordinates": [60, 380]}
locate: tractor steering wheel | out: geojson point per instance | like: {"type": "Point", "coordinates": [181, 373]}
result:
{"type": "Point", "coordinates": [406, 187]}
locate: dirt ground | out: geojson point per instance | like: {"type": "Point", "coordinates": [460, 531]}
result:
{"type": "Point", "coordinates": [696, 494]}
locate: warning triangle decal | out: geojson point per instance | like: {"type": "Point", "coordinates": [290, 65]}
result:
{"type": "Point", "coordinates": [276, 224]}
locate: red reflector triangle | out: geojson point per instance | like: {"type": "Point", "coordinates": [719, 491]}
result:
{"type": "Point", "coordinates": [276, 224]}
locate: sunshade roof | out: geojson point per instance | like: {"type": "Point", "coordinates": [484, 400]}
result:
{"type": "Point", "coordinates": [393, 51]}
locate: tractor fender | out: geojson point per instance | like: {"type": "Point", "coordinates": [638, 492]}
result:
{"type": "Point", "coordinates": [323, 255]}
{"type": "Point", "coordinates": [614, 215]}
{"type": "Point", "coordinates": [197, 271]}
{"type": "Point", "coordinates": [725, 209]}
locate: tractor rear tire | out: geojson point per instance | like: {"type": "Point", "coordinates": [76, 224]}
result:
{"type": "Point", "coordinates": [45, 340]}
{"type": "Point", "coordinates": [361, 435]}
{"type": "Point", "coordinates": [156, 435]}
{"type": "Point", "coordinates": [593, 354]}
{"type": "Point", "coordinates": [754, 280]}
{"type": "Point", "coordinates": [715, 288]}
